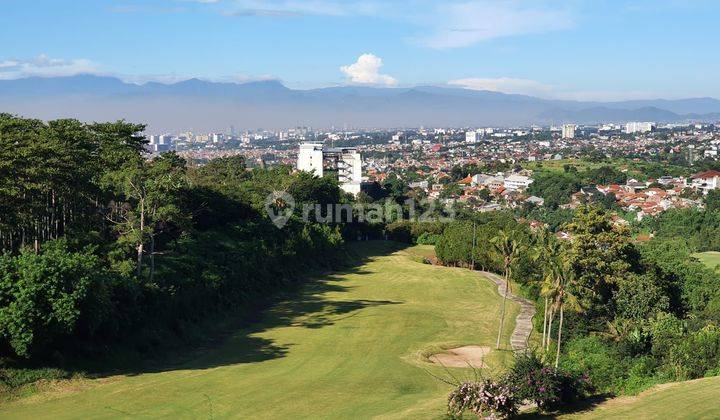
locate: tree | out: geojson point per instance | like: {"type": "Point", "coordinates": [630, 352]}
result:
{"type": "Point", "coordinates": [42, 295]}
{"type": "Point", "coordinates": [508, 249]}
{"type": "Point", "coordinates": [600, 254]}
{"type": "Point", "coordinates": [565, 290]}
{"type": "Point", "coordinates": [555, 188]}
{"type": "Point", "coordinates": [151, 203]}
{"type": "Point", "coordinates": [548, 253]}
{"type": "Point", "coordinates": [712, 201]}
{"type": "Point", "coordinates": [605, 175]}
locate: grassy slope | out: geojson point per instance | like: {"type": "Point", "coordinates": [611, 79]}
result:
{"type": "Point", "coordinates": [711, 259]}
{"type": "Point", "coordinates": [350, 346]}
{"type": "Point", "coordinates": [681, 400]}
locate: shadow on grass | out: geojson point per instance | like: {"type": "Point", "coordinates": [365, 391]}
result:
{"type": "Point", "coordinates": [238, 340]}
{"type": "Point", "coordinates": [579, 407]}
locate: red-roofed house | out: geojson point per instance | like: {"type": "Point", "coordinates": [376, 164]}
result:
{"type": "Point", "coordinates": [706, 181]}
{"type": "Point", "coordinates": [466, 181]}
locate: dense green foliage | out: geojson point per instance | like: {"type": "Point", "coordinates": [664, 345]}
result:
{"type": "Point", "coordinates": [102, 245]}
{"type": "Point", "coordinates": [43, 295]}
{"type": "Point", "coordinates": [700, 229]}
{"type": "Point", "coordinates": [555, 188]}
{"type": "Point", "coordinates": [634, 314]}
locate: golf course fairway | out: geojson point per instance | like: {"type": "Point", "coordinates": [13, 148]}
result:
{"type": "Point", "coordinates": [678, 400]}
{"type": "Point", "coordinates": [352, 344]}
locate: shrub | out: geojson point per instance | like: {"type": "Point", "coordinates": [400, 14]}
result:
{"type": "Point", "coordinates": [484, 399]}
{"type": "Point", "coordinates": [667, 330]}
{"type": "Point", "coordinates": [547, 387]}
{"type": "Point", "coordinates": [427, 238]}
{"type": "Point", "coordinates": [696, 355]}
{"type": "Point", "coordinates": [42, 295]}
{"type": "Point", "coordinates": [641, 376]}
{"type": "Point", "coordinates": [17, 377]}
{"type": "Point", "coordinates": [600, 361]}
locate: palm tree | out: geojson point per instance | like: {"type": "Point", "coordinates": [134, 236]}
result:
{"type": "Point", "coordinates": [563, 291]}
{"type": "Point", "coordinates": [547, 253]}
{"type": "Point", "coordinates": [508, 249]}
{"type": "Point", "coordinates": [550, 291]}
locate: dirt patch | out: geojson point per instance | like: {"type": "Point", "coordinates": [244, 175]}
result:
{"type": "Point", "coordinates": [462, 357]}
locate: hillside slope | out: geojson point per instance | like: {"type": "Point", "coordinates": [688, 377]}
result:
{"type": "Point", "coordinates": [351, 345]}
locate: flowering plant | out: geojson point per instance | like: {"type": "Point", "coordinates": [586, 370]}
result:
{"type": "Point", "coordinates": [484, 399]}
{"type": "Point", "coordinates": [544, 385]}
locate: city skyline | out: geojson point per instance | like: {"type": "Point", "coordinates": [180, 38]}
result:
{"type": "Point", "coordinates": [610, 50]}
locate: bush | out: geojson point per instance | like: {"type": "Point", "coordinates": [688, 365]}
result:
{"type": "Point", "coordinates": [695, 356]}
{"type": "Point", "coordinates": [641, 376]}
{"type": "Point", "coordinates": [547, 387]}
{"type": "Point", "coordinates": [484, 399]}
{"type": "Point", "coordinates": [42, 296]}
{"type": "Point", "coordinates": [666, 330]}
{"type": "Point", "coordinates": [427, 238]}
{"type": "Point", "coordinates": [17, 377]}
{"type": "Point", "coordinates": [601, 362]}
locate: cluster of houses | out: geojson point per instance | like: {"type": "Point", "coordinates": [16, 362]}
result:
{"type": "Point", "coordinates": [508, 187]}
{"type": "Point", "coordinates": [645, 200]}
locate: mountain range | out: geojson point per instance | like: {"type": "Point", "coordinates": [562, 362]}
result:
{"type": "Point", "coordinates": [209, 106]}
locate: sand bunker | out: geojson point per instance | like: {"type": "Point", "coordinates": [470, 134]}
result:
{"type": "Point", "coordinates": [461, 357]}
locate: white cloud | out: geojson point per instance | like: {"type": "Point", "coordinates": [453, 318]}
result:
{"type": "Point", "coordinates": [461, 24]}
{"type": "Point", "coordinates": [44, 66]}
{"type": "Point", "coordinates": [505, 85]}
{"type": "Point", "coordinates": [298, 7]}
{"type": "Point", "coordinates": [366, 71]}
{"type": "Point", "coordinates": [443, 23]}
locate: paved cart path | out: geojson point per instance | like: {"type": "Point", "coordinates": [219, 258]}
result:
{"type": "Point", "coordinates": [523, 322]}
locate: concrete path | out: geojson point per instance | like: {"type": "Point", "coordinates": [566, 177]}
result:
{"type": "Point", "coordinates": [523, 322]}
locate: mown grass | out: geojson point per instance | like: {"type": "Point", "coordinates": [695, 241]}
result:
{"type": "Point", "coordinates": [349, 345]}
{"type": "Point", "coordinates": [680, 400]}
{"type": "Point", "coordinates": [711, 259]}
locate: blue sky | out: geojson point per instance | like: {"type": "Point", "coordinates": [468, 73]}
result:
{"type": "Point", "coordinates": [573, 49]}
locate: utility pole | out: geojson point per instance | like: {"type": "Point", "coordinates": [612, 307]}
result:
{"type": "Point", "coordinates": [472, 267]}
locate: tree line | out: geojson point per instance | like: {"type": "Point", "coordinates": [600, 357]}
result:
{"type": "Point", "coordinates": [102, 245]}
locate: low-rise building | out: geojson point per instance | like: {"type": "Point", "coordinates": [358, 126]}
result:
{"type": "Point", "coordinates": [706, 181]}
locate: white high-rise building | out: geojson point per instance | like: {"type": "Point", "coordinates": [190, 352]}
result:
{"type": "Point", "coordinates": [471, 137]}
{"type": "Point", "coordinates": [161, 143]}
{"type": "Point", "coordinates": [568, 131]}
{"type": "Point", "coordinates": [310, 158]}
{"type": "Point", "coordinates": [345, 161]}
{"type": "Point", "coordinates": [639, 127]}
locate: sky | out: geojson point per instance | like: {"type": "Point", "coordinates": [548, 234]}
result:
{"type": "Point", "coordinates": [573, 49]}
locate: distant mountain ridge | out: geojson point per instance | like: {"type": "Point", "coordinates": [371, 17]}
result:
{"type": "Point", "coordinates": [205, 106]}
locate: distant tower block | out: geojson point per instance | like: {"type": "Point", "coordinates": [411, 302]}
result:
{"type": "Point", "coordinates": [568, 131]}
{"type": "Point", "coordinates": [344, 163]}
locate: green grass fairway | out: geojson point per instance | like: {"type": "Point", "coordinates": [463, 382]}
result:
{"type": "Point", "coordinates": [351, 345]}
{"type": "Point", "coordinates": [710, 258]}
{"type": "Point", "coordinates": [696, 399]}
